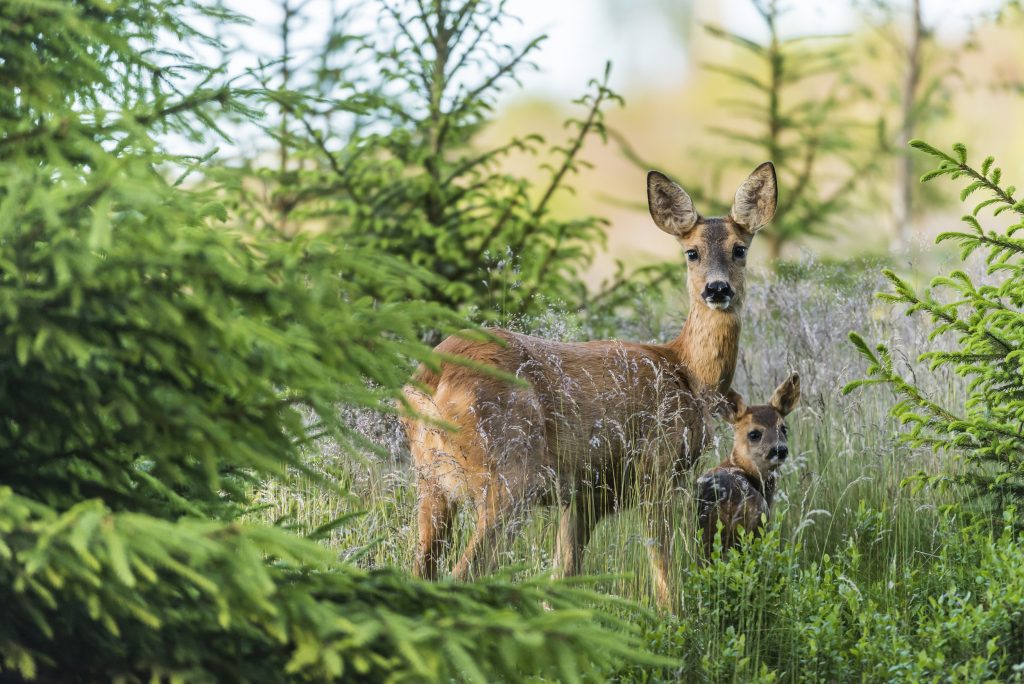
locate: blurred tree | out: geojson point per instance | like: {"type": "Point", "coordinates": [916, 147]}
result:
{"type": "Point", "coordinates": [923, 96]}
{"type": "Point", "coordinates": [908, 118]}
{"type": "Point", "coordinates": [156, 362]}
{"type": "Point", "coordinates": [1010, 15]}
{"type": "Point", "coordinates": [922, 90]}
{"type": "Point", "coordinates": [796, 108]}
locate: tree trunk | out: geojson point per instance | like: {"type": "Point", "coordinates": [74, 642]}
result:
{"type": "Point", "coordinates": [904, 185]}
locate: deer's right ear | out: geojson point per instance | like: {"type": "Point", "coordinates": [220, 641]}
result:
{"type": "Point", "coordinates": [732, 406]}
{"type": "Point", "coordinates": [671, 208]}
{"type": "Point", "coordinates": [787, 395]}
{"type": "Point", "coordinates": [756, 199]}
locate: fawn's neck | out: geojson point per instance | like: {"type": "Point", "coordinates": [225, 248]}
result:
{"type": "Point", "coordinates": [708, 345]}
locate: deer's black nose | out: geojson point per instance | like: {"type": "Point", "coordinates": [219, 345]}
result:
{"type": "Point", "coordinates": [779, 452]}
{"type": "Point", "coordinates": [718, 291]}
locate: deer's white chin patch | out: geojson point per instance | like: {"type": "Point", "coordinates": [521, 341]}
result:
{"type": "Point", "coordinates": [720, 306]}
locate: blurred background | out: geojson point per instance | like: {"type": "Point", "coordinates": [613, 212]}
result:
{"type": "Point", "coordinates": [853, 81]}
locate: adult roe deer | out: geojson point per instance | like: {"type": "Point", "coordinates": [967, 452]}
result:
{"type": "Point", "coordinates": [740, 490]}
{"type": "Point", "coordinates": [595, 426]}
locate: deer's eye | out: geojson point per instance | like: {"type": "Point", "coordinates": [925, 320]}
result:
{"type": "Point", "coordinates": [785, 430]}
{"type": "Point", "coordinates": [739, 252]}
{"type": "Point", "coordinates": [692, 255]}
{"type": "Point", "coordinates": [754, 435]}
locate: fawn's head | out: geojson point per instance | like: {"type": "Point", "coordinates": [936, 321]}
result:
{"type": "Point", "coordinates": [759, 443]}
{"type": "Point", "coordinates": [716, 248]}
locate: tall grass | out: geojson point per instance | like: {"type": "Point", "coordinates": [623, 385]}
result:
{"type": "Point", "coordinates": [846, 534]}
{"type": "Point", "coordinates": [845, 455]}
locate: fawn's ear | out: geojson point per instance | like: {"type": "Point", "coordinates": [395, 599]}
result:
{"type": "Point", "coordinates": [671, 208]}
{"type": "Point", "coordinates": [787, 395]}
{"type": "Point", "coordinates": [756, 199]}
{"type": "Point", "coordinates": [732, 406]}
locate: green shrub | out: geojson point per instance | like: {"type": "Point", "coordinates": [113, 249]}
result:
{"type": "Point", "coordinates": [764, 616]}
{"type": "Point", "coordinates": [158, 363]}
{"type": "Point", "coordinates": [980, 317]}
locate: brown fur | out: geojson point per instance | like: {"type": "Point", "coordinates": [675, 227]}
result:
{"type": "Point", "coordinates": [596, 424]}
{"type": "Point", "coordinates": [738, 493]}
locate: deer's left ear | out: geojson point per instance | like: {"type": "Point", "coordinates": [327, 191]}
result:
{"type": "Point", "coordinates": [756, 199]}
{"type": "Point", "coordinates": [731, 407]}
{"type": "Point", "coordinates": [787, 395]}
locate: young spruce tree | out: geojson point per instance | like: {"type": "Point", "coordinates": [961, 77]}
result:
{"type": "Point", "coordinates": [156, 362]}
{"type": "Point", "coordinates": [386, 146]}
{"type": "Point", "coordinates": [793, 106]}
{"type": "Point", "coordinates": [987, 432]}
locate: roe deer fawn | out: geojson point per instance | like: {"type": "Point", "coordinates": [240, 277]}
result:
{"type": "Point", "coordinates": [739, 491]}
{"type": "Point", "coordinates": [595, 426]}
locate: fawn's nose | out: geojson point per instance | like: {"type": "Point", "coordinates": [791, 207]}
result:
{"type": "Point", "coordinates": [779, 453]}
{"type": "Point", "coordinates": [718, 291]}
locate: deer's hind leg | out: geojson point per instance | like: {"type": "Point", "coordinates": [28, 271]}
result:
{"type": "Point", "coordinates": [507, 450]}
{"type": "Point", "coordinates": [434, 521]}
{"type": "Point", "coordinates": [497, 513]}
{"type": "Point", "coordinates": [576, 525]}
{"type": "Point", "coordinates": [661, 507]}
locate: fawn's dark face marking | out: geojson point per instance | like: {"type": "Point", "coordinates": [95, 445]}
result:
{"type": "Point", "coordinates": [760, 439]}
{"type": "Point", "coordinates": [715, 248]}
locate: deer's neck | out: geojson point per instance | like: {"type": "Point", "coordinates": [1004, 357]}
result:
{"type": "Point", "coordinates": [708, 346]}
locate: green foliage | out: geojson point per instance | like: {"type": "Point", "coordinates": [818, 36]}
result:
{"type": "Point", "coordinates": [147, 349]}
{"type": "Point", "coordinates": [841, 587]}
{"type": "Point", "coordinates": [794, 109]}
{"type": "Point", "coordinates": [387, 148]}
{"type": "Point", "coordinates": [103, 594]}
{"type": "Point", "coordinates": [982, 315]}
{"type": "Point", "coordinates": [763, 616]}
{"type": "Point", "coordinates": [159, 362]}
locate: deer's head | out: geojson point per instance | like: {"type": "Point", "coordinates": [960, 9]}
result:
{"type": "Point", "coordinates": [760, 435]}
{"type": "Point", "coordinates": [716, 248]}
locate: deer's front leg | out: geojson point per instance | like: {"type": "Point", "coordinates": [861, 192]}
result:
{"type": "Point", "coordinates": [660, 575]}
{"type": "Point", "coordinates": [660, 552]}
{"type": "Point", "coordinates": [575, 526]}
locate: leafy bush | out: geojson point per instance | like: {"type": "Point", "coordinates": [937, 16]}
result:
{"type": "Point", "coordinates": [982, 314]}
{"type": "Point", "coordinates": [157, 364]}
{"type": "Point", "coordinates": [763, 616]}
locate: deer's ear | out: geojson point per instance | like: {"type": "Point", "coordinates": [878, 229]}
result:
{"type": "Point", "coordinates": [787, 395]}
{"type": "Point", "coordinates": [732, 407]}
{"type": "Point", "coordinates": [671, 208]}
{"type": "Point", "coordinates": [756, 199]}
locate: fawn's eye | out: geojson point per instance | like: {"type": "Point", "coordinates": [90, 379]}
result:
{"type": "Point", "coordinates": [739, 252]}
{"type": "Point", "coordinates": [784, 430]}
{"type": "Point", "coordinates": [691, 255]}
{"type": "Point", "coordinates": [754, 435]}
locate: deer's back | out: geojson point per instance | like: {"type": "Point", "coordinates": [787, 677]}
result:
{"type": "Point", "coordinates": [582, 410]}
